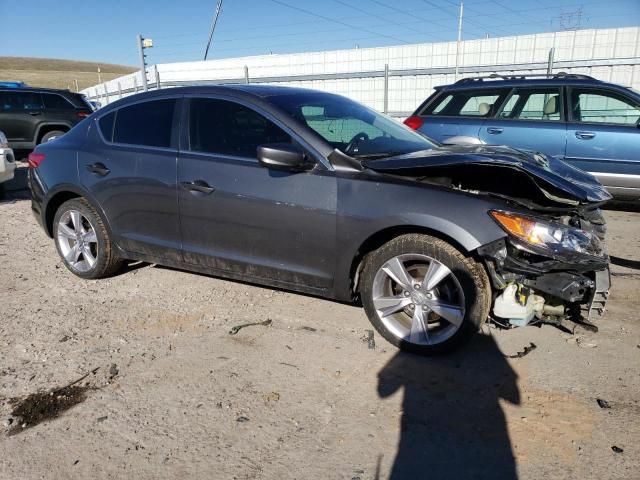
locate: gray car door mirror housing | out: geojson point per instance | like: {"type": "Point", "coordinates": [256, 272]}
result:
{"type": "Point", "coordinates": [283, 156]}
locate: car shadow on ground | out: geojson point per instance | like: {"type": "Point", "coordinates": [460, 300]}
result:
{"type": "Point", "coordinates": [625, 262]}
{"type": "Point", "coordinates": [452, 425]}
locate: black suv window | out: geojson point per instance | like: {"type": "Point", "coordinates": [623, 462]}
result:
{"type": "Point", "coordinates": [147, 123]}
{"type": "Point", "coordinates": [533, 104]}
{"type": "Point", "coordinates": [478, 103]}
{"type": "Point", "coordinates": [55, 101]}
{"type": "Point", "coordinates": [601, 106]}
{"type": "Point", "coordinates": [20, 101]}
{"type": "Point", "coordinates": [227, 128]}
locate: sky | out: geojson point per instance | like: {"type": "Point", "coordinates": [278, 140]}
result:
{"type": "Point", "coordinates": [105, 30]}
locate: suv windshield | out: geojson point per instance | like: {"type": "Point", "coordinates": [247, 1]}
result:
{"type": "Point", "coordinates": [351, 127]}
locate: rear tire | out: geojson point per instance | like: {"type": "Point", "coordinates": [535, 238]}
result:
{"type": "Point", "coordinates": [423, 295]}
{"type": "Point", "coordinates": [83, 242]}
{"type": "Point", "coordinates": [49, 135]}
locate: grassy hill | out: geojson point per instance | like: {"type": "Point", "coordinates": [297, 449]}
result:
{"type": "Point", "coordinates": [54, 73]}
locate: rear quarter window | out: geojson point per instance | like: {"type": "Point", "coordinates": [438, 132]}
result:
{"type": "Point", "coordinates": [56, 102]}
{"type": "Point", "coordinates": [145, 124]}
{"type": "Point", "coordinates": [106, 124]}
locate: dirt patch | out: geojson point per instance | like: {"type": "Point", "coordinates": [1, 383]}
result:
{"type": "Point", "coordinates": [42, 406]}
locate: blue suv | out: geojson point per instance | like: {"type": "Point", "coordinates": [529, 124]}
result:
{"type": "Point", "coordinates": [589, 123]}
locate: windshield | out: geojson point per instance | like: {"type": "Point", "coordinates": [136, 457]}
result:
{"type": "Point", "coordinates": [351, 127]}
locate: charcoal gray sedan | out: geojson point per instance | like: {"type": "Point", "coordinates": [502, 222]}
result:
{"type": "Point", "coordinates": [312, 192]}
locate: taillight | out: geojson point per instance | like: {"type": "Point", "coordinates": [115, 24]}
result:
{"type": "Point", "coordinates": [414, 122]}
{"type": "Point", "coordinates": [83, 114]}
{"type": "Point", "coordinates": [35, 159]}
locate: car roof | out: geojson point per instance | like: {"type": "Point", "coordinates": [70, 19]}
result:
{"type": "Point", "coordinates": [37, 89]}
{"type": "Point", "coordinates": [516, 81]}
{"type": "Point", "coordinates": [240, 91]}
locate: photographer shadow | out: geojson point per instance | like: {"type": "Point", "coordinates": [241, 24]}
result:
{"type": "Point", "coordinates": [453, 426]}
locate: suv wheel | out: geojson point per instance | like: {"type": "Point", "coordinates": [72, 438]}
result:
{"type": "Point", "coordinates": [82, 240]}
{"type": "Point", "coordinates": [49, 135]}
{"type": "Point", "coordinates": [423, 295]}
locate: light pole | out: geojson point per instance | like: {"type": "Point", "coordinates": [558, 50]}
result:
{"type": "Point", "coordinates": [143, 43]}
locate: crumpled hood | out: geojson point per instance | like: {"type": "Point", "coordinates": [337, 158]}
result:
{"type": "Point", "coordinates": [556, 179]}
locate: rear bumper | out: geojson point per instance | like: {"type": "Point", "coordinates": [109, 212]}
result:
{"type": "Point", "coordinates": [37, 197]}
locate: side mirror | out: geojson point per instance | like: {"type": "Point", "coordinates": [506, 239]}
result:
{"type": "Point", "coordinates": [283, 156]}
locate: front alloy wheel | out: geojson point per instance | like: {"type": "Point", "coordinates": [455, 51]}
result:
{"type": "Point", "coordinates": [424, 295]}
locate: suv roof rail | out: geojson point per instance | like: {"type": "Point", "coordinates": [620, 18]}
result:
{"type": "Point", "coordinates": [497, 76]}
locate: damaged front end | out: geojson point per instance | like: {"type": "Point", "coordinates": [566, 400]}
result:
{"type": "Point", "coordinates": [548, 269]}
{"type": "Point", "coordinates": [552, 265]}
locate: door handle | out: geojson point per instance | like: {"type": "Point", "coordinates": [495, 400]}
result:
{"type": "Point", "coordinates": [35, 113]}
{"type": "Point", "coordinates": [199, 186]}
{"type": "Point", "coordinates": [494, 130]}
{"type": "Point", "coordinates": [98, 169]}
{"type": "Point", "coordinates": [585, 135]}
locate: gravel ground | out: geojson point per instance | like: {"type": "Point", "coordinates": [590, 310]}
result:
{"type": "Point", "coordinates": [174, 395]}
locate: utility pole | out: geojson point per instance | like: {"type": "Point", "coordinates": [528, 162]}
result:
{"type": "Point", "coordinates": [213, 26]}
{"type": "Point", "coordinates": [459, 38]}
{"type": "Point", "coordinates": [75, 80]}
{"type": "Point", "coordinates": [143, 43]}
{"type": "Point", "coordinates": [99, 76]}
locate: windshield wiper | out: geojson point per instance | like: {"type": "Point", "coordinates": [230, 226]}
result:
{"type": "Point", "coordinates": [373, 156]}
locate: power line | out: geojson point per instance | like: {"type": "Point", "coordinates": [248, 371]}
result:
{"type": "Point", "coordinates": [337, 21]}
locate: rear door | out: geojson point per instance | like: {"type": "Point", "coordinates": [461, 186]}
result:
{"type": "Point", "coordinates": [20, 114]}
{"type": "Point", "coordinates": [460, 113]}
{"type": "Point", "coordinates": [604, 138]}
{"type": "Point", "coordinates": [129, 167]}
{"type": "Point", "coordinates": [241, 217]}
{"type": "Point", "coordinates": [530, 119]}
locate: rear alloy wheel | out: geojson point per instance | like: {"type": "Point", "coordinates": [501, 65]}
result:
{"type": "Point", "coordinates": [83, 241]}
{"type": "Point", "coordinates": [423, 295]}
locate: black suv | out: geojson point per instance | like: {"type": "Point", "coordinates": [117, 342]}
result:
{"type": "Point", "coordinates": [313, 192]}
{"type": "Point", "coordinates": [30, 116]}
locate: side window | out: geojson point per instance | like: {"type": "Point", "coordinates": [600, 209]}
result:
{"type": "Point", "coordinates": [106, 124]}
{"type": "Point", "coordinates": [227, 128]}
{"type": "Point", "coordinates": [600, 106]}
{"type": "Point", "coordinates": [482, 103]}
{"type": "Point", "coordinates": [58, 102]}
{"type": "Point", "coordinates": [147, 123]}
{"type": "Point", "coordinates": [333, 129]}
{"type": "Point", "coordinates": [20, 101]}
{"type": "Point", "coordinates": [533, 104]}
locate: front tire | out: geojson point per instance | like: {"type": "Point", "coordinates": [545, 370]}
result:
{"type": "Point", "coordinates": [423, 295]}
{"type": "Point", "coordinates": [83, 242]}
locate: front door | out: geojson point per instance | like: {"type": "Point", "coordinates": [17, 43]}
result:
{"type": "Point", "coordinates": [129, 167]}
{"type": "Point", "coordinates": [530, 119]}
{"type": "Point", "coordinates": [245, 219]}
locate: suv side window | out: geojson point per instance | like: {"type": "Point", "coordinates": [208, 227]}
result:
{"type": "Point", "coordinates": [20, 101]}
{"type": "Point", "coordinates": [146, 123]}
{"type": "Point", "coordinates": [533, 104]}
{"type": "Point", "coordinates": [55, 101]}
{"type": "Point", "coordinates": [228, 128]}
{"type": "Point", "coordinates": [478, 103]}
{"type": "Point", "coordinates": [602, 106]}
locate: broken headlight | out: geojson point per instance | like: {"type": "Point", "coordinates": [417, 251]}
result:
{"type": "Point", "coordinates": [548, 236]}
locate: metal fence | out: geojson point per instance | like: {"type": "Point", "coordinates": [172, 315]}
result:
{"type": "Point", "coordinates": [397, 79]}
